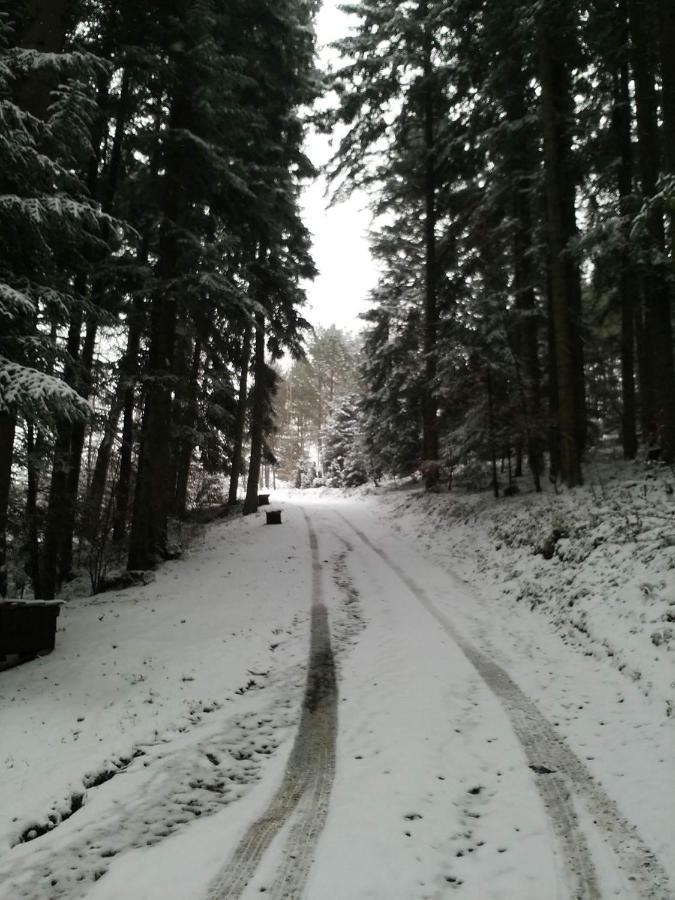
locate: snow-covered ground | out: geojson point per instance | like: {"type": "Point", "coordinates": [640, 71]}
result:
{"type": "Point", "coordinates": [503, 726]}
{"type": "Point", "coordinates": [608, 588]}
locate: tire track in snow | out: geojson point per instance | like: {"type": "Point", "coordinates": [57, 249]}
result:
{"type": "Point", "coordinates": [303, 796]}
{"type": "Point", "coordinates": [564, 778]}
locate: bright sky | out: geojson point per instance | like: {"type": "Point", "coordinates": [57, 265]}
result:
{"type": "Point", "coordinates": [346, 270]}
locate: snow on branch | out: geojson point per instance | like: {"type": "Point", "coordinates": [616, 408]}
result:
{"type": "Point", "coordinates": [27, 59]}
{"type": "Point", "coordinates": [68, 212]}
{"type": "Point", "coordinates": [39, 395]}
{"type": "Point", "coordinates": [14, 303]}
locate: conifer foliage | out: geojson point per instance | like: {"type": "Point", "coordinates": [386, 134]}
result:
{"type": "Point", "coordinates": [310, 392]}
{"type": "Point", "coordinates": [520, 159]}
{"type": "Point", "coordinates": [152, 258]}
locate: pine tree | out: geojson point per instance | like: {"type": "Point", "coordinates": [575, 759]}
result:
{"type": "Point", "coordinates": [345, 453]}
{"type": "Point", "coordinates": [45, 217]}
{"type": "Point", "coordinates": [395, 75]}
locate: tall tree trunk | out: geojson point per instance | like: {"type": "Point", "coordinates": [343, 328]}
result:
{"type": "Point", "coordinates": [34, 449]}
{"type": "Point", "coordinates": [240, 420]}
{"type": "Point", "coordinates": [628, 287]}
{"type": "Point", "coordinates": [491, 433]}
{"type": "Point", "coordinates": [58, 537]}
{"type": "Point", "coordinates": [136, 325]}
{"type": "Point", "coordinates": [76, 448]}
{"type": "Point", "coordinates": [660, 391]}
{"type": "Point", "coordinates": [123, 487]}
{"type": "Point", "coordinates": [181, 367]}
{"type": "Point", "coordinates": [523, 165]}
{"type": "Point", "coordinates": [560, 200]}
{"type": "Point", "coordinates": [54, 522]}
{"type": "Point", "coordinates": [127, 388]}
{"type": "Point", "coordinates": [99, 476]}
{"type": "Point", "coordinates": [554, 417]}
{"type": "Point", "coordinates": [108, 190]}
{"type": "Point", "coordinates": [257, 418]}
{"type": "Point", "coordinates": [127, 370]}
{"type": "Point", "coordinates": [148, 542]}
{"type": "Point", "coordinates": [7, 428]}
{"type": "Point", "coordinates": [430, 435]}
{"type": "Point", "coordinates": [667, 47]}
{"type": "Point", "coordinates": [58, 488]}
{"type": "Point", "coordinates": [643, 361]}
{"type": "Point", "coordinates": [186, 442]}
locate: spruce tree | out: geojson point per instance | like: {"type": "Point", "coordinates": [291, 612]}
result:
{"type": "Point", "coordinates": [46, 217]}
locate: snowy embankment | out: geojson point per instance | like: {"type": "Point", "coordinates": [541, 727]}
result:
{"type": "Point", "coordinates": [137, 672]}
{"type": "Point", "coordinates": [598, 561]}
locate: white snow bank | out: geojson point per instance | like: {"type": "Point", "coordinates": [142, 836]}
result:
{"type": "Point", "coordinates": [138, 666]}
{"type": "Point", "coordinates": [609, 586]}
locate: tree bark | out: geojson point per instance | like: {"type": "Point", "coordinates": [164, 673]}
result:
{"type": "Point", "coordinates": [186, 441]}
{"type": "Point", "coordinates": [430, 432]}
{"type": "Point", "coordinates": [127, 371]}
{"type": "Point", "coordinates": [522, 166]}
{"type": "Point", "coordinates": [240, 421]}
{"type": "Point", "coordinates": [55, 521]}
{"type": "Point", "coordinates": [148, 542]}
{"type": "Point", "coordinates": [123, 488]}
{"type": "Point", "coordinates": [643, 362]}
{"type": "Point", "coordinates": [257, 418]}
{"type": "Point", "coordinates": [667, 48]}
{"type": "Point", "coordinates": [491, 433]}
{"type": "Point", "coordinates": [659, 397]}
{"type": "Point", "coordinates": [76, 448]}
{"type": "Point", "coordinates": [136, 326]}
{"type": "Point", "coordinates": [553, 415]}
{"type": "Point", "coordinates": [565, 288]}
{"type": "Point", "coordinates": [34, 448]}
{"type": "Point", "coordinates": [7, 428]}
{"type": "Point", "coordinates": [99, 477]}
{"type": "Point", "coordinates": [628, 286]}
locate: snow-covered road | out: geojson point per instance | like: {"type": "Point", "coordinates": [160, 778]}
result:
{"type": "Point", "coordinates": [476, 756]}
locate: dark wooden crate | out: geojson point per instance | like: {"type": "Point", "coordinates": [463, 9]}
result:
{"type": "Point", "coordinates": [263, 499]}
{"type": "Point", "coordinates": [273, 517]}
{"type": "Point", "coordinates": [27, 627]}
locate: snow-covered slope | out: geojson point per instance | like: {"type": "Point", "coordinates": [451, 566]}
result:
{"type": "Point", "coordinates": [137, 669]}
{"type": "Point", "coordinates": [609, 584]}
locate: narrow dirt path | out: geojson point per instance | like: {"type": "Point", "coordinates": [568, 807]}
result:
{"type": "Point", "coordinates": [563, 781]}
{"type": "Point", "coordinates": [302, 798]}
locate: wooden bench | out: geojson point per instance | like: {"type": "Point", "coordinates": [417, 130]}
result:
{"type": "Point", "coordinates": [27, 628]}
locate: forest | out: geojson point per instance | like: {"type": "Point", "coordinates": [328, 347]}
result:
{"type": "Point", "coordinates": [520, 160]}
{"type": "Point", "coordinates": [152, 256]}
